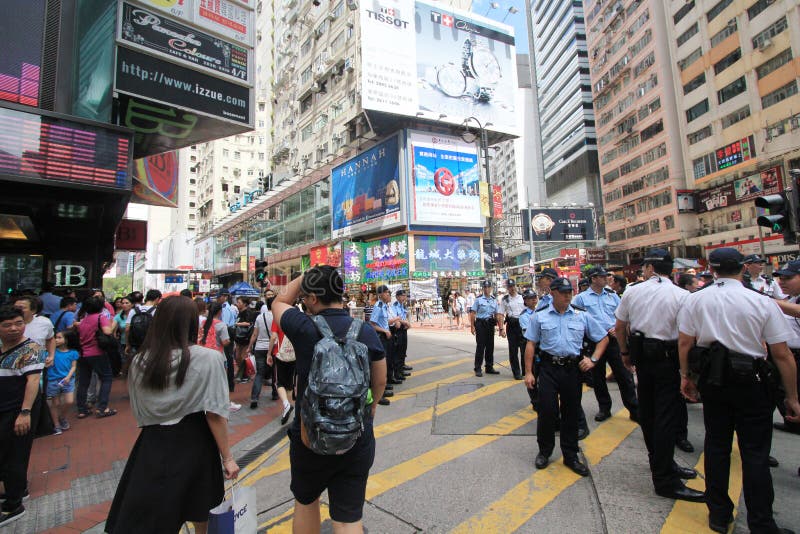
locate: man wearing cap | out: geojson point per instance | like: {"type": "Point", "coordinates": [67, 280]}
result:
{"type": "Point", "coordinates": [601, 303]}
{"type": "Point", "coordinates": [558, 331]}
{"type": "Point", "coordinates": [382, 325]}
{"type": "Point", "coordinates": [729, 324]}
{"type": "Point", "coordinates": [509, 310]}
{"type": "Point", "coordinates": [398, 312]}
{"type": "Point", "coordinates": [755, 267]}
{"type": "Point", "coordinates": [654, 348]}
{"type": "Point", "coordinates": [543, 281]}
{"type": "Point", "coordinates": [481, 325]}
{"type": "Point", "coordinates": [789, 281]}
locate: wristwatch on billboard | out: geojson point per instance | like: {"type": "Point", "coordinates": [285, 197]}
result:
{"type": "Point", "coordinates": [477, 76]}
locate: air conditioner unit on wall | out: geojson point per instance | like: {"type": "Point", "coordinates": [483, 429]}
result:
{"type": "Point", "coordinates": [766, 43]}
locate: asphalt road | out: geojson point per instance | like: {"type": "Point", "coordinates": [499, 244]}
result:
{"type": "Point", "coordinates": [455, 454]}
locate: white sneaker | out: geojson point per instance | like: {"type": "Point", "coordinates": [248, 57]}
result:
{"type": "Point", "coordinates": [287, 411]}
{"type": "Point", "coordinates": [235, 407]}
{"type": "Point", "coordinates": [57, 431]}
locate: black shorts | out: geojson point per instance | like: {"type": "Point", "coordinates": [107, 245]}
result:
{"type": "Point", "coordinates": [345, 476]}
{"type": "Point", "coordinates": [284, 373]}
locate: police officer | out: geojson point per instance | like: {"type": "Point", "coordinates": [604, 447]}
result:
{"type": "Point", "coordinates": [380, 322]}
{"type": "Point", "coordinates": [543, 281]}
{"type": "Point", "coordinates": [729, 324]}
{"type": "Point", "coordinates": [481, 324]}
{"type": "Point", "coordinates": [398, 312]}
{"type": "Point", "coordinates": [650, 309]}
{"type": "Point", "coordinates": [558, 331]}
{"type": "Point", "coordinates": [789, 280]}
{"type": "Point", "coordinates": [766, 285]}
{"type": "Point", "coordinates": [531, 300]}
{"type": "Point", "coordinates": [601, 303]}
{"type": "Point", "coordinates": [509, 310]}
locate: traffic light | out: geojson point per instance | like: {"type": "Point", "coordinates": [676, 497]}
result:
{"type": "Point", "coordinates": [261, 272]}
{"type": "Point", "coordinates": [779, 220]}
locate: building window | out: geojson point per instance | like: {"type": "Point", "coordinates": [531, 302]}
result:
{"type": "Point", "coordinates": [643, 65]}
{"type": "Point", "coordinates": [717, 9]}
{"type": "Point", "coordinates": [688, 34]}
{"type": "Point", "coordinates": [699, 135]}
{"type": "Point", "coordinates": [691, 58]}
{"type": "Point", "coordinates": [306, 132]}
{"type": "Point", "coordinates": [305, 76]}
{"type": "Point", "coordinates": [777, 27]}
{"type": "Point", "coordinates": [654, 226]}
{"type": "Point", "coordinates": [236, 189]}
{"type": "Point", "coordinates": [226, 153]}
{"type": "Point", "coordinates": [723, 34]}
{"type": "Point", "coordinates": [682, 12]}
{"type": "Point", "coordinates": [727, 61]}
{"type": "Point", "coordinates": [669, 222]}
{"type": "Point", "coordinates": [338, 10]}
{"type": "Point", "coordinates": [652, 130]}
{"type": "Point", "coordinates": [705, 165]}
{"type": "Point", "coordinates": [305, 48]}
{"type": "Point", "coordinates": [305, 104]}
{"type": "Point", "coordinates": [756, 9]}
{"type": "Point", "coordinates": [781, 94]}
{"type": "Point", "coordinates": [697, 110]}
{"type": "Point", "coordinates": [237, 155]}
{"type": "Point", "coordinates": [654, 153]}
{"type": "Point", "coordinates": [775, 63]}
{"type": "Point", "coordinates": [736, 116]}
{"type": "Point", "coordinates": [731, 90]}
{"type": "Point", "coordinates": [694, 83]}
{"type": "Point", "coordinates": [337, 42]}
{"type": "Point", "coordinates": [650, 108]}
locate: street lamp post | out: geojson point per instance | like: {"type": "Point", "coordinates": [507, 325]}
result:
{"type": "Point", "coordinates": [484, 148]}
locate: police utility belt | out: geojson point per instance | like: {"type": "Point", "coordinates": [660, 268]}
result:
{"type": "Point", "coordinates": [717, 365]}
{"type": "Point", "coordinates": [489, 321]}
{"type": "Point", "coordinates": [546, 357]}
{"type": "Point", "coordinates": [649, 349]}
{"type": "Point", "coordinates": [513, 321]}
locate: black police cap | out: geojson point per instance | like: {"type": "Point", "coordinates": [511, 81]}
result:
{"type": "Point", "coordinates": [725, 257]}
{"type": "Point", "coordinates": [562, 285]}
{"type": "Point", "coordinates": [486, 283]}
{"type": "Point", "coordinates": [657, 255]}
{"type": "Point", "coordinates": [528, 294]}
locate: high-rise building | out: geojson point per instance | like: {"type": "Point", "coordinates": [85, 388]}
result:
{"type": "Point", "coordinates": [559, 55]}
{"type": "Point", "coordinates": [736, 81]}
{"type": "Point", "coordinates": [637, 121]}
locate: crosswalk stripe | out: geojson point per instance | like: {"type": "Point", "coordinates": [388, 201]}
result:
{"type": "Point", "coordinates": [394, 476]}
{"type": "Point", "coordinates": [520, 503]}
{"type": "Point", "coordinates": [687, 517]}
{"type": "Point", "coordinates": [281, 462]}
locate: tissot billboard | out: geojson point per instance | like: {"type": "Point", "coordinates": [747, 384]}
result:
{"type": "Point", "coordinates": [558, 224]}
{"type": "Point", "coordinates": [425, 59]}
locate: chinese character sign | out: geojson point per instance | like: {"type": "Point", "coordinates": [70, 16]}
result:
{"type": "Point", "coordinates": [497, 202]}
{"type": "Point", "coordinates": [735, 153]}
{"type": "Point", "coordinates": [365, 191]}
{"type": "Point", "coordinates": [447, 253]}
{"type": "Point", "coordinates": [386, 259]}
{"type": "Point", "coordinates": [353, 254]}
{"type": "Point", "coordinates": [484, 194]}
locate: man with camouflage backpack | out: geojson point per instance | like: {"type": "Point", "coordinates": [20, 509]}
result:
{"type": "Point", "coordinates": [340, 370]}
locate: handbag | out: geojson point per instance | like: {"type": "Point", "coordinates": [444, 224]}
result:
{"type": "Point", "coordinates": [105, 341]}
{"type": "Point", "coordinates": [236, 515]}
{"type": "Point", "coordinates": [286, 351]}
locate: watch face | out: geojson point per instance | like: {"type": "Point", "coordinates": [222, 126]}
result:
{"type": "Point", "coordinates": [451, 80]}
{"type": "Point", "coordinates": [485, 65]}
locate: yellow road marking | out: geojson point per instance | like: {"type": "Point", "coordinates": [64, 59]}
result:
{"type": "Point", "coordinates": [281, 462]}
{"type": "Point", "coordinates": [392, 477]}
{"type": "Point", "coordinates": [687, 517]}
{"type": "Point", "coordinates": [520, 503]}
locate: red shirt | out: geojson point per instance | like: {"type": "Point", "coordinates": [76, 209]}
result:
{"type": "Point", "coordinates": [86, 331]}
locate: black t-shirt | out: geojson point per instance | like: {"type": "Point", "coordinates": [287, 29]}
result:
{"type": "Point", "coordinates": [304, 335]}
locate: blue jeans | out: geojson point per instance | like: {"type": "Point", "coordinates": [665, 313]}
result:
{"type": "Point", "coordinates": [263, 372]}
{"type": "Point", "coordinates": [86, 366]}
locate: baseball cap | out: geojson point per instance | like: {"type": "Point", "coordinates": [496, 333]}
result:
{"type": "Point", "coordinates": [725, 257]}
{"type": "Point", "coordinates": [790, 269]}
{"type": "Point", "coordinates": [552, 273]}
{"type": "Point", "coordinates": [596, 271]}
{"type": "Point", "coordinates": [657, 255]}
{"type": "Point", "coordinates": [753, 258]}
{"type": "Point", "coordinates": [399, 293]}
{"type": "Point", "coordinates": [562, 285]}
{"type": "Point", "coordinates": [382, 289]}
{"type": "Point", "coordinates": [510, 282]}
{"type": "Point", "coordinates": [528, 294]}
{"type": "Point", "coordinates": [486, 283]}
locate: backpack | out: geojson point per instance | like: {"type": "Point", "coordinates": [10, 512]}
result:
{"type": "Point", "coordinates": [139, 324]}
{"type": "Point", "coordinates": [334, 403]}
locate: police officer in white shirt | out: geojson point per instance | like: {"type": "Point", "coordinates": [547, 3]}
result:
{"type": "Point", "coordinates": [509, 310]}
{"type": "Point", "coordinates": [729, 323]}
{"type": "Point", "coordinates": [649, 311]}
{"type": "Point", "coordinates": [789, 281]}
{"type": "Point", "coordinates": [755, 265]}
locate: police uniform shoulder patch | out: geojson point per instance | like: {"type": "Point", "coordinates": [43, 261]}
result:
{"type": "Point", "coordinates": [608, 290]}
{"type": "Point", "coordinates": [542, 307]}
{"type": "Point", "coordinates": [506, 298]}
{"type": "Point", "coordinates": [579, 308]}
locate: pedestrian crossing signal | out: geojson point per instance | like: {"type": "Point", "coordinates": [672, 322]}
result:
{"type": "Point", "coordinates": [261, 272]}
{"type": "Point", "coordinates": [779, 219]}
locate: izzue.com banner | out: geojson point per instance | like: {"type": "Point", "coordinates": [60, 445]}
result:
{"type": "Point", "coordinates": [142, 75]}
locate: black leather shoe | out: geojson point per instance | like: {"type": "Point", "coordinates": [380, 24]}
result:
{"type": "Point", "coordinates": [393, 381]}
{"type": "Point", "coordinates": [792, 428]}
{"type": "Point", "coordinates": [387, 394]}
{"type": "Point", "coordinates": [634, 417]}
{"type": "Point", "coordinates": [541, 461]}
{"type": "Point", "coordinates": [577, 467]}
{"type": "Point", "coordinates": [407, 368]}
{"type": "Point", "coordinates": [773, 462]}
{"type": "Point", "coordinates": [602, 415]}
{"type": "Point", "coordinates": [684, 494]}
{"type": "Point", "coordinates": [719, 526]}
{"type": "Point", "coordinates": [384, 402]}
{"type": "Point", "coordinates": [491, 371]}
{"type": "Point", "coordinates": [404, 374]}
{"type": "Point", "coordinates": [685, 445]}
{"type": "Point", "coordinates": [782, 530]}
{"type": "Point", "coordinates": [401, 378]}
{"type": "Point", "coordinates": [685, 472]}
{"type": "Point", "coordinates": [518, 377]}
{"type": "Point", "coordinates": [478, 373]}
{"type": "Point", "coordinates": [583, 433]}
{"type": "Point", "coordinates": [389, 388]}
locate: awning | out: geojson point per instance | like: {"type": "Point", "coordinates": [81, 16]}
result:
{"type": "Point", "coordinates": [686, 263]}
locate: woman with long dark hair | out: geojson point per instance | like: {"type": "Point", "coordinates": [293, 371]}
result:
{"type": "Point", "coordinates": [179, 398]}
{"type": "Point", "coordinates": [214, 335]}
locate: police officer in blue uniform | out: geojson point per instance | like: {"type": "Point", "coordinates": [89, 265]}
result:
{"type": "Point", "coordinates": [400, 333]}
{"type": "Point", "coordinates": [380, 322]}
{"type": "Point", "coordinates": [481, 323]}
{"type": "Point", "coordinates": [558, 331]}
{"type": "Point", "coordinates": [543, 281]}
{"type": "Point", "coordinates": [531, 300]}
{"type": "Point", "coordinates": [601, 303]}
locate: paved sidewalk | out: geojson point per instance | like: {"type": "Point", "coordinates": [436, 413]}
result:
{"type": "Point", "coordinates": [73, 477]}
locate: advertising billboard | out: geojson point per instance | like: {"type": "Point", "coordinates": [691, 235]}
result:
{"type": "Point", "coordinates": [386, 259]}
{"type": "Point", "coordinates": [735, 153]}
{"type": "Point", "coordinates": [421, 57]}
{"type": "Point", "coordinates": [365, 191]}
{"type": "Point", "coordinates": [143, 75]}
{"type": "Point", "coordinates": [156, 180]}
{"type": "Point", "coordinates": [447, 254]}
{"type": "Point", "coordinates": [443, 189]}
{"type": "Point", "coordinates": [326, 255]}
{"type": "Point", "coordinates": [153, 33]}
{"type": "Point", "coordinates": [767, 182]}
{"type": "Point", "coordinates": [558, 224]}
{"type": "Point", "coordinates": [21, 60]}
{"type": "Point", "coordinates": [223, 17]}
{"type": "Point", "coordinates": [204, 255]}
{"type": "Point", "coordinates": [353, 261]}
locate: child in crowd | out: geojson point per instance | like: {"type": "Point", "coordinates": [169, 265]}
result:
{"type": "Point", "coordinates": [60, 383]}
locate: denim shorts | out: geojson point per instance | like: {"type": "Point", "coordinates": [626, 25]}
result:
{"type": "Point", "coordinates": [54, 389]}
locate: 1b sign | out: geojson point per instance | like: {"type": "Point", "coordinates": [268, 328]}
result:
{"type": "Point", "coordinates": [68, 273]}
{"type": "Point", "coordinates": [131, 235]}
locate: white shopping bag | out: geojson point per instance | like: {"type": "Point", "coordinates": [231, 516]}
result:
{"type": "Point", "coordinates": [243, 506]}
